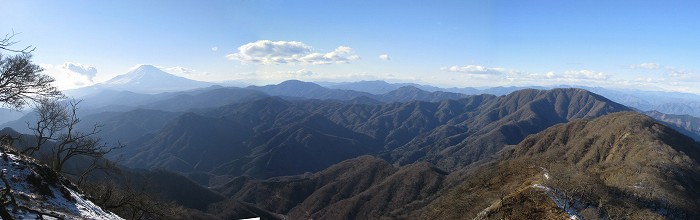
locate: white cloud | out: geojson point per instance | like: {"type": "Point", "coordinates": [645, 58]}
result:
{"type": "Point", "coordinates": [585, 74]}
{"type": "Point", "coordinates": [648, 66]}
{"type": "Point", "coordinates": [81, 69]}
{"type": "Point", "coordinates": [550, 74]}
{"type": "Point", "coordinates": [303, 72]}
{"type": "Point", "coordinates": [214, 48]}
{"type": "Point", "coordinates": [384, 57]}
{"type": "Point", "coordinates": [675, 72]}
{"type": "Point", "coordinates": [70, 75]}
{"type": "Point", "coordinates": [474, 69]}
{"type": "Point", "coordinates": [178, 69]}
{"type": "Point", "coordinates": [279, 52]}
{"type": "Point", "coordinates": [183, 71]}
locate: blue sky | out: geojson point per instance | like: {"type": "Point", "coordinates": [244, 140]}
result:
{"type": "Point", "coordinates": [630, 44]}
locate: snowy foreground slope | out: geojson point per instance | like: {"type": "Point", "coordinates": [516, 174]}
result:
{"type": "Point", "coordinates": [37, 192]}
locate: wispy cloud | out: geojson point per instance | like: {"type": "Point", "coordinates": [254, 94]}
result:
{"type": "Point", "coordinates": [648, 66]}
{"type": "Point", "coordinates": [676, 72]}
{"type": "Point", "coordinates": [302, 73]}
{"type": "Point", "coordinates": [182, 71]}
{"type": "Point", "coordinates": [292, 52]}
{"type": "Point", "coordinates": [214, 48]}
{"type": "Point", "coordinates": [178, 69]}
{"type": "Point", "coordinates": [586, 74]}
{"type": "Point", "coordinates": [277, 75]}
{"type": "Point", "coordinates": [473, 69]}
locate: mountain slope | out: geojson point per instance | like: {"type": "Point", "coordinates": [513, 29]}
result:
{"type": "Point", "coordinates": [257, 140]}
{"type": "Point", "coordinates": [403, 191]}
{"type": "Point", "coordinates": [190, 132]}
{"type": "Point", "coordinates": [206, 98]}
{"type": "Point", "coordinates": [115, 126]}
{"type": "Point", "coordinates": [308, 90]}
{"type": "Point", "coordinates": [410, 93]}
{"type": "Point", "coordinates": [619, 165]}
{"type": "Point", "coordinates": [505, 120]}
{"type": "Point", "coordinates": [666, 102]}
{"type": "Point", "coordinates": [377, 87]}
{"type": "Point", "coordinates": [314, 191]}
{"type": "Point", "coordinates": [107, 98]}
{"type": "Point", "coordinates": [685, 124]}
{"type": "Point", "coordinates": [360, 188]}
{"type": "Point", "coordinates": [7, 115]}
{"type": "Point", "coordinates": [34, 191]}
{"type": "Point", "coordinates": [127, 126]}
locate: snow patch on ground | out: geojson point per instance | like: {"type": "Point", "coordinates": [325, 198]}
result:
{"type": "Point", "coordinates": [557, 198]}
{"type": "Point", "coordinates": [51, 200]}
{"type": "Point", "coordinates": [546, 173]}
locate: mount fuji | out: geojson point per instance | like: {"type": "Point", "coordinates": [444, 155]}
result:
{"type": "Point", "coordinates": [143, 79]}
{"type": "Point", "coordinates": [150, 79]}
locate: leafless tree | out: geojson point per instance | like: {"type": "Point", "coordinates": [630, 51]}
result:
{"type": "Point", "coordinates": [57, 123]}
{"type": "Point", "coordinates": [563, 181]}
{"type": "Point", "coordinates": [52, 118]}
{"type": "Point", "coordinates": [20, 79]}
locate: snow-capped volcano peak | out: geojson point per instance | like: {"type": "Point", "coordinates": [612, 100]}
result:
{"type": "Point", "coordinates": [140, 74]}
{"type": "Point", "coordinates": [151, 79]}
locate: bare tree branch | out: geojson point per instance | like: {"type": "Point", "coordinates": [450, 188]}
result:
{"type": "Point", "coordinates": [21, 80]}
{"type": "Point", "coordinates": [6, 43]}
{"type": "Point", "coordinates": [57, 123]}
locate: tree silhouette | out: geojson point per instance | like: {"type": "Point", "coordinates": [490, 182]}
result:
{"type": "Point", "coordinates": [21, 80]}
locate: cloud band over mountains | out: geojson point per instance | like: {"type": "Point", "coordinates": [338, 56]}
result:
{"type": "Point", "coordinates": [290, 52]}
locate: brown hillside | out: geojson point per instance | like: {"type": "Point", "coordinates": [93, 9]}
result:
{"type": "Point", "coordinates": [623, 165]}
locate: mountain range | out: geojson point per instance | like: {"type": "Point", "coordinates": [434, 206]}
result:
{"type": "Point", "coordinates": [666, 102]}
{"type": "Point", "coordinates": [587, 169]}
{"type": "Point", "coordinates": [686, 124]}
{"type": "Point", "coordinates": [377, 150]}
{"type": "Point", "coordinates": [148, 79]}
{"type": "Point", "coordinates": [7, 115]}
{"type": "Point", "coordinates": [274, 137]}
